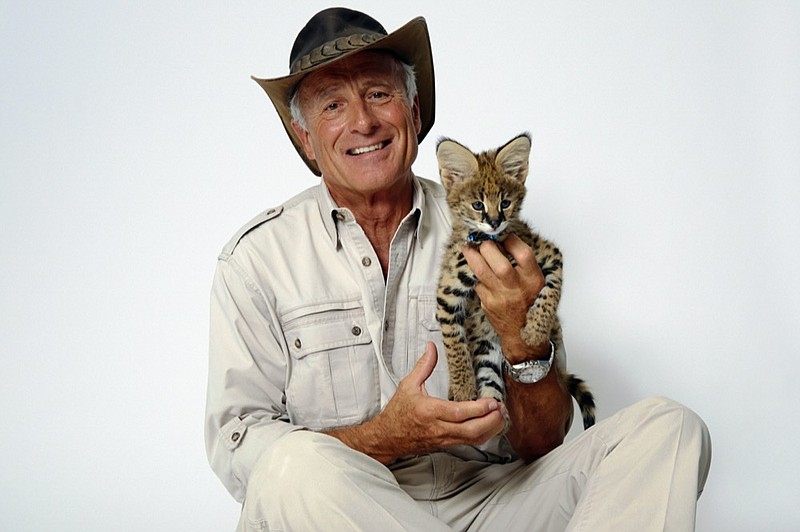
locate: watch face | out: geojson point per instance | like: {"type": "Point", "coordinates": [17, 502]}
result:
{"type": "Point", "coordinates": [533, 374]}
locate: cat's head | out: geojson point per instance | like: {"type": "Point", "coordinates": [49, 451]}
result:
{"type": "Point", "coordinates": [484, 191]}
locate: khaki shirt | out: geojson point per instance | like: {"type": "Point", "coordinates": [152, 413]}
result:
{"type": "Point", "coordinates": [305, 333]}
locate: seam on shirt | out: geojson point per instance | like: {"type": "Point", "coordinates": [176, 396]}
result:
{"type": "Point", "coordinates": [249, 283]}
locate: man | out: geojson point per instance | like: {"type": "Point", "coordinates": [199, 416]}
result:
{"type": "Point", "coordinates": [326, 397]}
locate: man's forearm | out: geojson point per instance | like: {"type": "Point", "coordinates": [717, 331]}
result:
{"type": "Point", "coordinates": [541, 413]}
{"type": "Point", "coordinates": [369, 438]}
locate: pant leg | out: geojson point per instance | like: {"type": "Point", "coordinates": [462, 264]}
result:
{"type": "Point", "coordinates": [310, 481]}
{"type": "Point", "coordinates": [657, 463]}
{"type": "Point", "coordinates": [641, 469]}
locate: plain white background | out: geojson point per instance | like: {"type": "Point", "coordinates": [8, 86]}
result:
{"type": "Point", "coordinates": [133, 144]}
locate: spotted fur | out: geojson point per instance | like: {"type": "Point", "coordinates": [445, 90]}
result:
{"type": "Point", "coordinates": [485, 192]}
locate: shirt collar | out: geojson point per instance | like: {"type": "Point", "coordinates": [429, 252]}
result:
{"type": "Point", "coordinates": [332, 214]}
{"type": "Point", "coordinates": [328, 211]}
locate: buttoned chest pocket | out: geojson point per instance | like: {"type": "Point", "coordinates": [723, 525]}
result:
{"type": "Point", "coordinates": [425, 328]}
{"type": "Point", "coordinates": [333, 375]}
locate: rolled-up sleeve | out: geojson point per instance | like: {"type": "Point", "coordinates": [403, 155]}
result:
{"type": "Point", "coordinates": [245, 409]}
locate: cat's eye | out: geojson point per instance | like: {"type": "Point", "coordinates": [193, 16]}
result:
{"type": "Point", "coordinates": [505, 204]}
{"type": "Point", "coordinates": [478, 205]}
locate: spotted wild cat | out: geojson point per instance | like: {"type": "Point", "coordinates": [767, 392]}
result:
{"type": "Point", "coordinates": [485, 193]}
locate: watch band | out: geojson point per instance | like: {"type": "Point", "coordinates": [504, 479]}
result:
{"type": "Point", "coordinates": [531, 371]}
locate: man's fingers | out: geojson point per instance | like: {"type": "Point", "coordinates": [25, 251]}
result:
{"type": "Point", "coordinates": [476, 262]}
{"type": "Point", "coordinates": [484, 419]}
{"type": "Point", "coordinates": [461, 411]}
{"type": "Point", "coordinates": [425, 366]}
{"type": "Point", "coordinates": [491, 265]}
{"type": "Point", "coordinates": [523, 254]}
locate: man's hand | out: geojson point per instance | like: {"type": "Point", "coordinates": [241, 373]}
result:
{"type": "Point", "coordinates": [413, 422]}
{"type": "Point", "coordinates": [541, 413]}
{"type": "Point", "coordinates": [507, 292]}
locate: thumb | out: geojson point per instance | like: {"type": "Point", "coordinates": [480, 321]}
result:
{"type": "Point", "coordinates": [424, 366]}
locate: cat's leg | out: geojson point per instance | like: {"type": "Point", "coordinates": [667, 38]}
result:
{"type": "Point", "coordinates": [542, 316]}
{"type": "Point", "coordinates": [455, 299]}
{"type": "Point", "coordinates": [451, 315]}
{"type": "Point", "coordinates": [459, 365]}
{"type": "Point", "coordinates": [488, 361]}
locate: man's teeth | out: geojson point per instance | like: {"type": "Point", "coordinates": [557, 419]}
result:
{"type": "Point", "coordinates": [367, 149]}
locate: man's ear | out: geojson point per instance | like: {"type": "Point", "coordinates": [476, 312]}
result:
{"type": "Point", "coordinates": [305, 140]}
{"type": "Point", "coordinates": [415, 114]}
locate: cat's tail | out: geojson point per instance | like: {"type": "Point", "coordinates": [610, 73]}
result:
{"type": "Point", "coordinates": [583, 396]}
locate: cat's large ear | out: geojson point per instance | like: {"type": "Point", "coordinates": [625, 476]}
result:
{"type": "Point", "coordinates": [456, 162]}
{"type": "Point", "coordinates": [513, 157]}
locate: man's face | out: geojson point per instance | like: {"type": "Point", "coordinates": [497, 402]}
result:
{"type": "Point", "coordinates": [362, 132]}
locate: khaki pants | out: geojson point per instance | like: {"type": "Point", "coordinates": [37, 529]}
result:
{"type": "Point", "coordinates": [639, 470]}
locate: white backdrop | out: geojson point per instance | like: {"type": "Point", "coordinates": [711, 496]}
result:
{"type": "Point", "coordinates": [133, 144]}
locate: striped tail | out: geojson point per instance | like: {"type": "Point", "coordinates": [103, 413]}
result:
{"type": "Point", "coordinates": [583, 396]}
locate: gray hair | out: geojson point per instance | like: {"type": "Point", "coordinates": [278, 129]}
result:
{"type": "Point", "coordinates": [410, 82]}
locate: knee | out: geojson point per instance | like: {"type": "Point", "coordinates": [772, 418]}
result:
{"type": "Point", "coordinates": [663, 417]}
{"type": "Point", "coordinates": [681, 430]}
{"type": "Point", "coordinates": [671, 413]}
{"type": "Point", "coordinates": [289, 467]}
{"type": "Point", "coordinates": [285, 478]}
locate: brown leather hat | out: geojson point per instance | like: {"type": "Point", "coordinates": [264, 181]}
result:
{"type": "Point", "coordinates": [336, 33]}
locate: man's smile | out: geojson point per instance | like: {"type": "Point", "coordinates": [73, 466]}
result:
{"type": "Point", "coordinates": [368, 149]}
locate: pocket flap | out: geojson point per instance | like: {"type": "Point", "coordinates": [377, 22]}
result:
{"type": "Point", "coordinates": [430, 324]}
{"type": "Point", "coordinates": [326, 331]}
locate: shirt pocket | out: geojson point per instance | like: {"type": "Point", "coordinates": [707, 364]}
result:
{"type": "Point", "coordinates": [424, 327]}
{"type": "Point", "coordinates": [333, 373]}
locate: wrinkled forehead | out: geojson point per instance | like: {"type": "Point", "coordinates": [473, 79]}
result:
{"type": "Point", "coordinates": [372, 65]}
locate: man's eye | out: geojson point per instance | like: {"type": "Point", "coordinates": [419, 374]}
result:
{"type": "Point", "coordinates": [332, 106]}
{"type": "Point", "coordinates": [478, 205]}
{"type": "Point", "coordinates": [378, 96]}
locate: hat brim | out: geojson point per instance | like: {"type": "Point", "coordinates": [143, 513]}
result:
{"type": "Point", "coordinates": [411, 43]}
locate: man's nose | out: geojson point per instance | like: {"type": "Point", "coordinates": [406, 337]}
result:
{"type": "Point", "coordinates": [362, 117]}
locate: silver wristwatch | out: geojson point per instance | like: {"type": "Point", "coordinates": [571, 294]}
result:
{"type": "Point", "coordinates": [530, 371]}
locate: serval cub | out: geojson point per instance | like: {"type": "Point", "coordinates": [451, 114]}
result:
{"type": "Point", "coordinates": [485, 193]}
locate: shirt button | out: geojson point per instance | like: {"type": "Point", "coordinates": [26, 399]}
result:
{"type": "Point", "coordinates": [356, 330]}
{"type": "Point", "coordinates": [366, 261]}
{"type": "Point", "coordinates": [298, 344]}
{"type": "Point", "coordinates": [235, 437]}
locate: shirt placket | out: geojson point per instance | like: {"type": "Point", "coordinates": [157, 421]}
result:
{"type": "Point", "coordinates": [396, 299]}
{"type": "Point", "coordinates": [366, 269]}
{"type": "Point", "coordinates": [381, 296]}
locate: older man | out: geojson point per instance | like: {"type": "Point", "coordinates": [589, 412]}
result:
{"type": "Point", "coordinates": [326, 398]}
